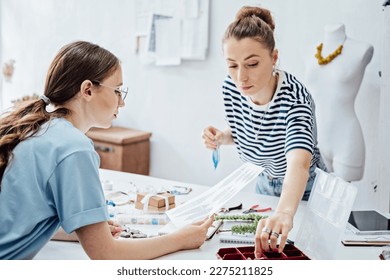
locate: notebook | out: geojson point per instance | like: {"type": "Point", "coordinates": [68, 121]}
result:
{"type": "Point", "coordinates": [236, 239]}
{"type": "Point", "coordinates": [351, 239]}
{"type": "Point", "coordinates": [365, 242]}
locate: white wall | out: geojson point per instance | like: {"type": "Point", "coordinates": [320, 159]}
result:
{"type": "Point", "coordinates": [176, 103]}
{"type": "Point", "coordinates": [384, 123]}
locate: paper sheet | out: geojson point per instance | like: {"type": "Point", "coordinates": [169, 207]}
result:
{"type": "Point", "coordinates": [167, 41]}
{"type": "Point", "coordinates": [195, 34]}
{"type": "Point", "coordinates": [212, 200]}
{"type": "Point", "coordinates": [187, 34]}
{"type": "Point", "coordinates": [151, 38]}
{"type": "Point", "coordinates": [190, 8]}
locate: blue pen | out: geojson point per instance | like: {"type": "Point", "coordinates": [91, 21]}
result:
{"type": "Point", "coordinates": [216, 156]}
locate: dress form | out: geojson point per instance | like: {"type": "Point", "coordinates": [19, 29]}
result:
{"type": "Point", "coordinates": [334, 87]}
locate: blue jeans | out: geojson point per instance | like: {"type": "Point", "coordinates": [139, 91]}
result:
{"type": "Point", "coordinates": [273, 186]}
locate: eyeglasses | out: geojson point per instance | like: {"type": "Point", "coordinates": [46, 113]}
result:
{"type": "Point", "coordinates": [120, 91]}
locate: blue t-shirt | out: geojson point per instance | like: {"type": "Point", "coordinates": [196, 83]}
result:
{"type": "Point", "coordinates": [52, 180]}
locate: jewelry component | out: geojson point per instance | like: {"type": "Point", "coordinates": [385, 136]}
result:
{"type": "Point", "coordinates": [325, 60]}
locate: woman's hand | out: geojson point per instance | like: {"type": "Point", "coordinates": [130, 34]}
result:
{"type": "Point", "coordinates": [269, 230]}
{"type": "Point", "coordinates": [193, 236]}
{"type": "Point", "coordinates": [115, 228]}
{"type": "Point", "coordinates": [213, 137]}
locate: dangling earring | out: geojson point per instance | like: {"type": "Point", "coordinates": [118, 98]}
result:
{"type": "Point", "coordinates": [273, 70]}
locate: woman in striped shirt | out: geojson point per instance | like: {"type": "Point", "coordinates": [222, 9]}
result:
{"type": "Point", "coordinates": [271, 121]}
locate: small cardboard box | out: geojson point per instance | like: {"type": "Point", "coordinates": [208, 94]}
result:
{"type": "Point", "coordinates": [157, 201]}
{"type": "Point", "coordinates": [140, 206]}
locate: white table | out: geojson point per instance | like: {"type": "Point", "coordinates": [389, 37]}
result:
{"type": "Point", "coordinates": [73, 251]}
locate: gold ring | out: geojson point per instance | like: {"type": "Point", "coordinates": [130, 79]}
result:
{"type": "Point", "coordinates": [274, 233]}
{"type": "Point", "coordinates": [267, 230]}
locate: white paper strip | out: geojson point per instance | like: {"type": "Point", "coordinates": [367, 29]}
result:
{"type": "Point", "coordinates": [212, 200]}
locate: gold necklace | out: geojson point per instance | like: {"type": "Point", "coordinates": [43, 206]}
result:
{"type": "Point", "coordinates": [329, 58]}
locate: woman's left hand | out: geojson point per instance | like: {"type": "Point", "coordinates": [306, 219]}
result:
{"type": "Point", "coordinates": [115, 228]}
{"type": "Point", "coordinates": [269, 231]}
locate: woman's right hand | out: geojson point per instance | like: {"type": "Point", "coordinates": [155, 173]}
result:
{"type": "Point", "coordinates": [270, 230]}
{"type": "Point", "coordinates": [213, 137]}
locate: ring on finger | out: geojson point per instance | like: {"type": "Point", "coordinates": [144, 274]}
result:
{"type": "Point", "coordinates": [267, 230]}
{"type": "Point", "coordinates": [274, 233]}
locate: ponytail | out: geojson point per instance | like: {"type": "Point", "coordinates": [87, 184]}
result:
{"type": "Point", "coordinates": [22, 122]}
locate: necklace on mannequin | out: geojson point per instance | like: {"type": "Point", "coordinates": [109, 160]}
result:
{"type": "Point", "coordinates": [325, 60]}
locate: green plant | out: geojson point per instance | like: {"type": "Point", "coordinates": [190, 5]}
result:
{"type": "Point", "coordinates": [244, 228]}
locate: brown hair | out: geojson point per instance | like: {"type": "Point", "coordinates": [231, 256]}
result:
{"type": "Point", "coordinates": [73, 64]}
{"type": "Point", "coordinates": [253, 22]}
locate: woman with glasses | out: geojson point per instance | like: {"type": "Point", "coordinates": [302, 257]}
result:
{"type": "Point", "coordinates": [49, 170]}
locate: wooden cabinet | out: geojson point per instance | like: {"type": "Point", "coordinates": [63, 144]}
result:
{"type": "Point", "coordinates": [122, 149]}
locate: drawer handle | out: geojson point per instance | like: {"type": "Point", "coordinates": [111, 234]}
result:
{"type": "Point", "coordinates": [105, 149]}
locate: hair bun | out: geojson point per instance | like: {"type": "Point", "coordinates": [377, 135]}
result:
{"type": "Point", "coordinates": [262, 13]}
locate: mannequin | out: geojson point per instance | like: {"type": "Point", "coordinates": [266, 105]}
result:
{"type": "Point", "coordinates": [334, 87]}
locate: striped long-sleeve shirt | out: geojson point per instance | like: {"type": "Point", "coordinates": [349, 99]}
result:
{"type": "Point", "coordinates": [264, 134]}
